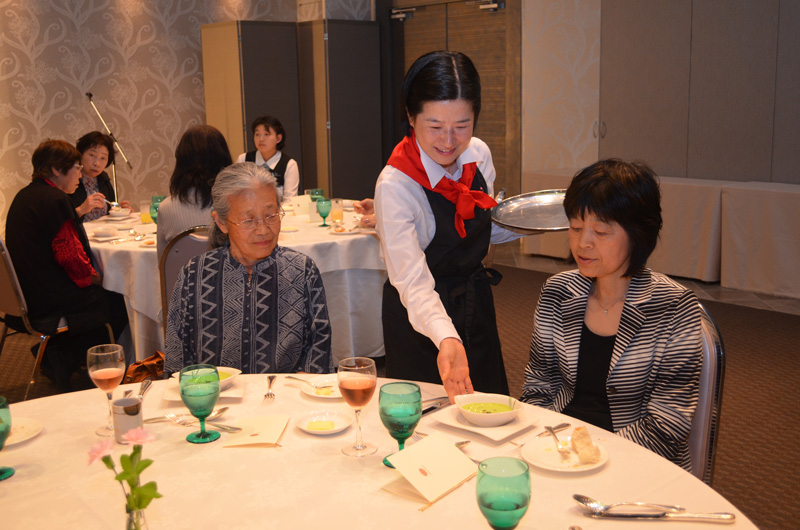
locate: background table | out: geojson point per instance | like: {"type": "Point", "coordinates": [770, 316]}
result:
{"type": "Point", "coordinates": [307, 482]}
{"type": "Point", "coordinates": [352, 273]}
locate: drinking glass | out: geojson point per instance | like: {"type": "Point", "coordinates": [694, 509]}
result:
{"type": "Point", "coordinates": [503, 491]}
{"type": "Point", "coordinates": [144, 212]}
{"type": "Point", "coordinates": [357, 379]}
{"type": "Point", "coordinates": [324, 208]}
{"type": "Point", "coordinates": [199, 385]}
{"type": "Point", "coordinates": [337, 211]}
{"type": "Point", "coordinates": [5, 430]}
{"type": "Point", "coordinates": [314, 193]}
{"type": "Point", "coordinates": [155, 203]}
{"type": "Point", "coordinates": [400, 408]}
{"type": "Point", "coordinates": [106, 366]}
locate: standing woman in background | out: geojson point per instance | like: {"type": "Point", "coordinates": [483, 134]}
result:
{"type": "Point", "coordinates": [97, 153]}
{"type": "Point", "coordinates": [432, 205]}
{"type": "Point", "coordinates": [201, 153]}
{"type": "Point", "coordinates": [270, 138]}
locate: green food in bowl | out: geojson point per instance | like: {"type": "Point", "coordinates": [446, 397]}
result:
{"type": "Point", "coordinates": [486, 408]}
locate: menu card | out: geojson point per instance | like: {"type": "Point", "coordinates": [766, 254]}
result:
{"type": "Point", "coordinates": [434, 467]}
{"type": "Point", "coordinates": [263, 431]}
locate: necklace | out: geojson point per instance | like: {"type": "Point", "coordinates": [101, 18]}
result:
{"type": "Point", "coordinates": [604, 308]}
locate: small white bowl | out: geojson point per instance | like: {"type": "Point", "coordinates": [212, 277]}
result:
{"type": "Point", "coordinates": [494, 419]}
{"type": "Point", "coordinates": [104, 232]}
{"type": "Point", "coordinates": [226, 376]}
{"type": "Point", "coordinates": [122, 212]}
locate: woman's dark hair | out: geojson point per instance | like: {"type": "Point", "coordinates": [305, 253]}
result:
{"type": "Point", "coordinates": [94, 139]}
{"type": "Point", "coordinates": [53, 155]}
{"type": "Point", "coordinates": [271, 122]}
{"type": "Point", "coordinates": [200, 155]}
{"type": "Point", "coordinates": [440, 76]}
{"type": "Point", "coordinates": [623, 192]}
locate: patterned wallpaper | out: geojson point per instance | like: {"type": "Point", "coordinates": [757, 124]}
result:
{"type": "Point", "coordinates": [140, 59]}
{"type": "Point", "coordinates": [560, 83]}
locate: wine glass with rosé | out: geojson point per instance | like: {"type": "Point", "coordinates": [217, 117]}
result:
{"type": "Point", "coordinates": [357, 379]}
{"type": "Point", "coordinates": [106, 366]}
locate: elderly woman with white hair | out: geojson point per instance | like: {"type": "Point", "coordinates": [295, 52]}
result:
{"type": "Point", "coordinates": [249, 303]}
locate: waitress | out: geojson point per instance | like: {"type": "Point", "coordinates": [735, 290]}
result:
{"type": "Point", "coordinates": [270, 138]}
{"type": "Point", "coordinates": [433, 211]}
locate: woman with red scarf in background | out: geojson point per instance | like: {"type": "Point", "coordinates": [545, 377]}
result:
{"type": "Point", "coordinates": [433, 210]}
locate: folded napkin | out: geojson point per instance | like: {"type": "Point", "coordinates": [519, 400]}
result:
{"type": "Point", "coordinates": [263, 431]}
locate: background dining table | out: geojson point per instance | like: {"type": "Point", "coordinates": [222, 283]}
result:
{"type": "Point", "coordinates": [353, 274]}
{"type": "Point", "coordinates": [306, 482]}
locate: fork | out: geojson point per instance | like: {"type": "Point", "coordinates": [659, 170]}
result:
{"type": "Point", "coordinates": [180, 420]}
{"type": "Point", "coordinates": [563, 451]}
{"type": "Point", "coordinates": [417, 436]}
{"type": "Point", "coordinates": [270, 395]}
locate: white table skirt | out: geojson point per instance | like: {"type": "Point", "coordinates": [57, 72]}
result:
{"type": "Point", "coordinates": [305, 483]}
{"type": "Point", "coordinates": [352, 273]}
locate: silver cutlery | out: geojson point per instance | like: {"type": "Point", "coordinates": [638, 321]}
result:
{"type": "Point", "coordinates": [723, 517]}
{"type": "Point", "coordinates": [186, 422]}
{"type": "Point", "coordinates": [316, 387]}
{"type": "Point", "coordinates": [127, 393]}
{"type": "Point", "coordinates": [144, 386]}
{"type": "Point", "coordinates": [558, 428]}
{"type": "Point", "coordinates": [563, 451]}
{"type": "Point", "coordinates": [598, 507]}
{"type": "Point", "coordinates": [270, 395]}
{"type": "Point", "coordinates": [112, 203]}
{"type": "Point", "coordinates": [216, 413]}
{"type": "Point", "coordinates": [417, 436]}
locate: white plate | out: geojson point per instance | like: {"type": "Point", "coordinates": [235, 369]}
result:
{"type": "Point", "coordinates": [356, 232]}
{"type": "Point", "coordinates": [148, 244]}
{"type": "Point", "coordinates": [123, 219]}
{"type": "Point", "coordinates": [235, 391]}
{"type": "Point", "coordinates": [341, 421]}
{"type": "Point", "coordinates": [23, 429]}
{"type": "Point", "coordinates": [106, 233]}
{"type": "Point", "coordinates": [450, 416]}
{"type": "Point", "coordinates": [223, 383]}
{"type": "Point", "coordinates": [327, 379]}
{"type": "Point", "coordinates": [542, 453]}
{"type": "Point", "coordinates": [289, 229]}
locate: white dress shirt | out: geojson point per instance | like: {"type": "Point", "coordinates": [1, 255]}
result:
{"type": "Point", "coordinates": [406, 227]}
{"type": "Point", "coordinates": [291, 180]}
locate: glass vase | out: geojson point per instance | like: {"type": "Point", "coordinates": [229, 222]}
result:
{"type": "Point", "coordinates": [136, 520]}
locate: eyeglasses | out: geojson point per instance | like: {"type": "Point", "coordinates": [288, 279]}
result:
{"type": "Point", "coordinates": [251, 224]}
{"type": "Point", "coordinates": [78, 166]}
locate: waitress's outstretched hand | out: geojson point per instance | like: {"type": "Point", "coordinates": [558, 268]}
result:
{"type": "Point", "coordinates": [453, 368]}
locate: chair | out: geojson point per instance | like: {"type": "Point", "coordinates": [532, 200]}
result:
{"type": "Point", "coordinates": [703, 435]}
{"type": "Point", "coordinates": [15, 310]}
{"type": "Point", "coordinates": [179, 251]}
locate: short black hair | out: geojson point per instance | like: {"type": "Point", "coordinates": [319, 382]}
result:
{"type": "Point", "coordinates": [93, 139]}
{"type": "Point", "coordinates": [52, 155]}
{"type": "Point", "coordinates": [271, 122]}
{"type": "Point", "coordinates": [201, 153]}
{"type": "Point", "coordinates": [440, 76]}
{"type": "Point", "coordinates": [623, 192]}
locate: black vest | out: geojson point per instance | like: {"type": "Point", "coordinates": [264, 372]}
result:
{"type": "Point", "coordinates": [278, 171]}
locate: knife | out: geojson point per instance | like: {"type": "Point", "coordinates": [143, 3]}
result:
{"type": "Point", "coordinates": [723, 517]}
{"type": "Point", "coordinates": [436, 406]}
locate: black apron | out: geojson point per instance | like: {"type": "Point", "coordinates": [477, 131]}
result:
{"type": "Point", "coordinates": [464, 287]}
{"type": "Point", "coordinates": [278, 171]}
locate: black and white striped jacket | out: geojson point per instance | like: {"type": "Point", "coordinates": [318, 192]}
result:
{"type": "Point", "coordinates": [653, 379]}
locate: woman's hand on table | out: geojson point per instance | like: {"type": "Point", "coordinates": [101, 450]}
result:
{"type": "Point", "coordinates": [365, 207]}
{"type": "Point", "coordinates": [367, 221]}
{"type": "Point", "coordinates": [95, 200]}
{"type": "Point", "coordinates": [454, 368]}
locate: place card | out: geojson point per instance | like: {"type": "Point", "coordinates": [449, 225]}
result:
{"type": "Point", "coordinates": [433, 466]}
{"type": "Point", "coordinates": [264, 431]}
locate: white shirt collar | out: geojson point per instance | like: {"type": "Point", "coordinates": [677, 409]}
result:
{"type": "Point", "coordinates": [436, 172]}
{"type": "Point", "coordinates": [272, 162]}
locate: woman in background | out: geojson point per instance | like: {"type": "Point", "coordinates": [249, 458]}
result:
{"type": "Point", "coordinates": [201, 153]}
{"type": "Point", "coordinates": [615, 344]}
{"type": "Point", "coordinates": [270, 138]}
{"type": "Point", "coordinates": [95, 187]}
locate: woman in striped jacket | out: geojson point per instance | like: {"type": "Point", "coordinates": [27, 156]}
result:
{"type": "Point", "coordinates": [615, 344]}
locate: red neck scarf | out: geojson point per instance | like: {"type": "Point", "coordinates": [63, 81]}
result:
{"type": "Point", "coordinates": [405, 157]}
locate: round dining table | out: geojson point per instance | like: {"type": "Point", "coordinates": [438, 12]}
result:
{"type": "Point", "coordinates": [306, 482]}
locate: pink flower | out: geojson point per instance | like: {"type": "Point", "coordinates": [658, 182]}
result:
{"type": "Point", "coordinates": [138, 436]}
{"type": "Point", "coordinates": [101, 449]}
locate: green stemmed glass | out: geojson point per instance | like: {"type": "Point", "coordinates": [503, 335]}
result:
{"type": "Point", "coordinates": [155, 203]}
{"type": "Point", "coordinates": [503, 491]}
{"type": "Point", "coordinates": [324, 208]}
{"type": "Point", "coordinates": [199, 384]}
{"type": "Point", "coordinates": [5, 430]}
{"type": "Point", "coordinates": [400, 408]}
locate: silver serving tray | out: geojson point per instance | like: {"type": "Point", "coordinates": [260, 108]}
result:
{"type": "Point", "coordinates": [532, 213]}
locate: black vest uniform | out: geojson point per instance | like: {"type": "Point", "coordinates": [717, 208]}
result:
{"type": "Point", "coordinates": [278, 171]}
{"type": "Point", "coordinates": [464, 287]}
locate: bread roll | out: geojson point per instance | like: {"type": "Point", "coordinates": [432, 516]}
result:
{"type": "Point", "coordinates": [588, 453]}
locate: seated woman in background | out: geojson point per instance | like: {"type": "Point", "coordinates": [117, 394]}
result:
{"type": "Point", "coordinates": [270, 138]}
{"type": "Point", "coordinates": [52, 259]}
{"type": "Point", "coordinates": [201, 153]}
{"type": "Point", "coordinates": [264, 307]}
{"type": "Point", "coordinates": [97, 153]}
{"type": "Point", "coordinates": [615, 344]}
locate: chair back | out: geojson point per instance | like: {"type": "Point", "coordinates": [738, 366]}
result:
{"type": "Point", "coordinates": [12, 300]}
{"type": "Point", "coordinates": [179, 251]}
{"type": "Point", "coordinates": [703, 436]}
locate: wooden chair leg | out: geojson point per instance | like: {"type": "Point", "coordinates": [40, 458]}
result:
{"type": "Point", "coordinates": [39, 354]}
{"type": "Point", "coordinates": [3, 338]}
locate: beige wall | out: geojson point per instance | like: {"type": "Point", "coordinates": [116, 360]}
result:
{"type": "Point", "coordinates": [141, 60]}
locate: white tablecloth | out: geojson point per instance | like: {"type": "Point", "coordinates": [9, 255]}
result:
{"type": "Point", "coordinates": [307, 482]}
{"type": "Point", "coordinates": [352, 272]}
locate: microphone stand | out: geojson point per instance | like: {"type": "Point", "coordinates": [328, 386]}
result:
{"type": "Point", "coordinates": [116, 144]}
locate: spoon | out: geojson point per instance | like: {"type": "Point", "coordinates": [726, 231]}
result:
{"type": "Point", "coordinates": [599, 508]}
{"type": "Point", "coordinates": [316, 387]}
{"type": "Point", "coordinates": [112, 204]}
{"type": "Point", "coordinates": [563, 451]}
